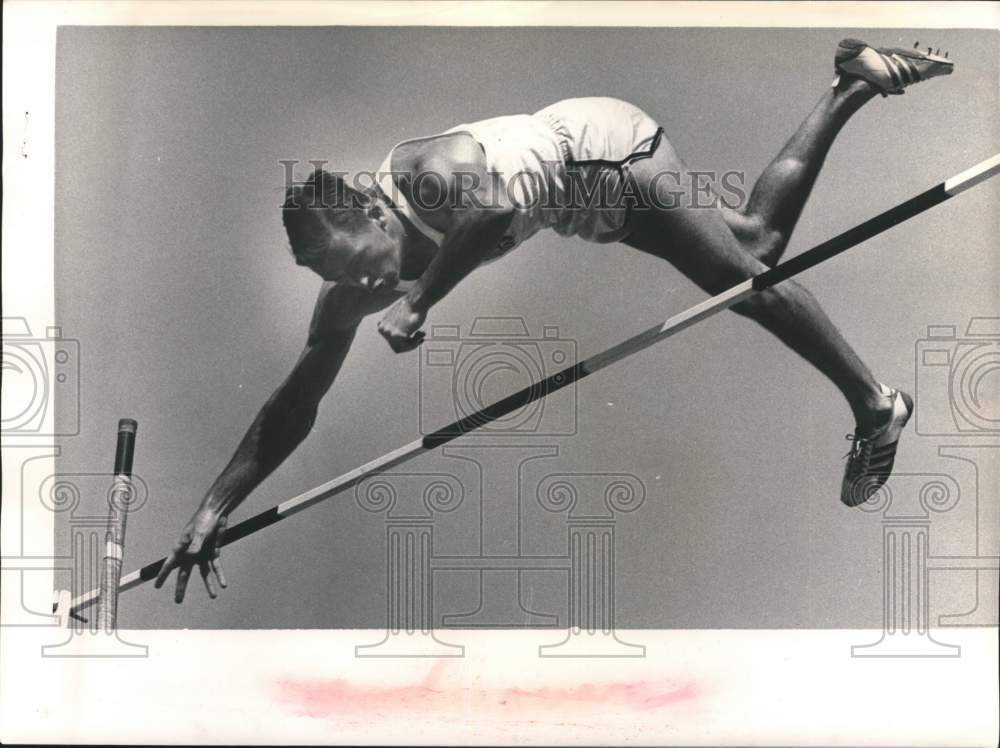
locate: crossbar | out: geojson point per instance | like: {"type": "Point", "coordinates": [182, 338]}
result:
{"type": "Point", "coordinates": [741, 291]}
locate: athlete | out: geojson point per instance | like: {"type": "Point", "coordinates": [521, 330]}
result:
{"type": "Point", "coordinates": [442, 206]}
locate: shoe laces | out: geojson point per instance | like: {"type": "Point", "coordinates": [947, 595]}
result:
{"type": "Point", "coordinates": [861, 451]}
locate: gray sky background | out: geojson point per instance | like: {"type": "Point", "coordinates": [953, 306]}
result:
{"type": "Point", "coordinates": [172, 272]}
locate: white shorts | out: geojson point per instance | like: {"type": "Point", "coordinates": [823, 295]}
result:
{"type": "Point", "coordinates": [600, 138]}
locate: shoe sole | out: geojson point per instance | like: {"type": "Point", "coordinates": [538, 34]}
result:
{"type": "Point", "coordinates": [850, 49]}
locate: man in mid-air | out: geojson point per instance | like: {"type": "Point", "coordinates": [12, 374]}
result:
{"type": "Point", "coordinates": [445, 204]}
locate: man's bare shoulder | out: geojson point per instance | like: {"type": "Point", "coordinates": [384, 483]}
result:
{"type": "Point", "coordinates": [442, 154]}
{"type": "Point", "coordinates": [341, 308]}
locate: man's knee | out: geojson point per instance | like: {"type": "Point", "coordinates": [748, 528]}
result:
{"type": "Point", "coordinates": [746, 226]}
{"type": "Point", "coordinates": [780, 300]}
{"type": "Point", "coordinates": [764, 242]}
{"type": "Point", "coordinates": [736, 268]}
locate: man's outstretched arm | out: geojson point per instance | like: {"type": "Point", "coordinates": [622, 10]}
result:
{"type": "Point", "coordinates": [281, 425]}
{"type": "Point", "coordinates": [283, 422]}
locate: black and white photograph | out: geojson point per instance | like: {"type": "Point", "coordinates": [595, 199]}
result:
{"type": "Point", "coordinates": [501, 373]}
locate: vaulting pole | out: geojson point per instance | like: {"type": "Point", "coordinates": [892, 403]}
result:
{"type": "Point", "coordinates": [810, 258]}
{"type": "Point", "coordinates": [114, 538]}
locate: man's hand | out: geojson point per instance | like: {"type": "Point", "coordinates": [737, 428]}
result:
{"type": "Point", "coordinates": [198, 544]}
{"type": "Point", "coordinates": [401, 326]}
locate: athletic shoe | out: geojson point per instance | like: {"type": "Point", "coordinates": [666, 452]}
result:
{"type": "Point", "coordinates": [889, 69]}
{"type": "Point", "coordinates": [872, 454]}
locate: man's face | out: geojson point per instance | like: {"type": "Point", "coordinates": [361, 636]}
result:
{"type": "Point", "coordinates": [367, 258]}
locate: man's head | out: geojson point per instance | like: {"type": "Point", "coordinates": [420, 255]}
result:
{"type": "Point", "coordinates": [342, 234]}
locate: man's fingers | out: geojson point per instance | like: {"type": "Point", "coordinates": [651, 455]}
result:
{"type": "Point", "coordinates": [182, 581]}
{"type": "Point", "coordinates": [216, 564]}
{"type": "Point", "coordinates": [164, 572]}
{"type": "Point", "coordinates": [403, 343]}
{"type": "Point", "coordinates": [392, 340]}
{"type": "Point", "coordinates": [172, 560]}
{"type": "Point", "coordinates": [168, 566]}
{"type": "Point", "coordinates": [199, 543]}
{"type": "Point", "coordinates": [408, 344]}
{"type": "Point", "coordinates": [209, 586]}
{"type": "Point", "coordinates": [398, 341]}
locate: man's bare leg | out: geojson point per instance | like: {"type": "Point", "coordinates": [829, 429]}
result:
{"type": "Point", "coordinates": [766, 222]}
{"type": "Point", "coordinates": [700, 244]}
{"type": "Point", "coordinates": [718, 248]}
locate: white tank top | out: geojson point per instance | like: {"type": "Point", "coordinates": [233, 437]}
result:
{"type": "Point", "coordinates": [521, 150]}
{"type": "Point", "coordinates": [530, 156]}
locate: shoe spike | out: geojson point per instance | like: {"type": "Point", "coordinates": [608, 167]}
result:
{"type": "Point", "coordinates": [916, 44]}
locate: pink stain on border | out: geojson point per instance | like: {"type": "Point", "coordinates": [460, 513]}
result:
{"type": "Point", "coordinates": [319, 698]}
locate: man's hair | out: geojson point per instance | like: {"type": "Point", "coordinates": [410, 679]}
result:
{"type": "Point", "coordinates": [316, 208]}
